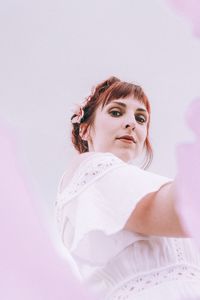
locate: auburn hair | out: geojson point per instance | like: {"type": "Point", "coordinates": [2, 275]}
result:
{"type": "Point", "coordinates": [106, 91]}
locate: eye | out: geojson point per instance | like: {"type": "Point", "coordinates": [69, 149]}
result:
{"type": "Point", "coordinates": [141, 118]}
{"type": "Point", "coordinates": [113, 112]}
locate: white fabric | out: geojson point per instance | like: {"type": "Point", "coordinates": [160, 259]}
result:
{"type": "Point", "coordinates": [117, 264]}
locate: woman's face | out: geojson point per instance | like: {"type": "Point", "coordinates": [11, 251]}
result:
{"type": "Point", "coordinates": [124, 116]}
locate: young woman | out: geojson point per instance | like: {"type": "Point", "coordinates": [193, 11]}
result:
{"type": "Point", "coordinates": [119, 221]}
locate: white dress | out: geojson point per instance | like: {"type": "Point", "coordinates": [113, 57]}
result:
{"type": "Point", "coordinates": [114, 263]}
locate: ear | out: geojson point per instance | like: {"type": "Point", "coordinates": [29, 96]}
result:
{"type": "Point", "coordinates": [84, 132]}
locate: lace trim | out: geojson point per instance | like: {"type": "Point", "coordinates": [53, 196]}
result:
{"type": "Point", "coordinates": [138, 284]}
{"type": "Point", "coordinates": [90, 170]}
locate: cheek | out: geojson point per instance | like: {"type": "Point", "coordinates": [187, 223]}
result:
{"type": "Point", "coordinates": [106, 128]}
{"type": "Point", "coordinates": [115, 127]}
{"type": "Point", "coordinates": [144, 134]}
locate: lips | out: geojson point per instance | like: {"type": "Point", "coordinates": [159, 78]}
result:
{"type": "Point", "coordinates": [128, 137]}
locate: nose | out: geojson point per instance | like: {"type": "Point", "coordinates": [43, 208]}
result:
{"type": "Point", "coordinates": [130, 122]}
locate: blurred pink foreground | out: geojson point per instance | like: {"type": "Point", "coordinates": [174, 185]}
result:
{"type": "Point", "coordinates": [30, 267]}
{"type": "Point", "coordinates": [188, 177]}
{"type": "Point", "coordinates": [190, 9]}
{"type": "Point", "coordinates": [188, 154]}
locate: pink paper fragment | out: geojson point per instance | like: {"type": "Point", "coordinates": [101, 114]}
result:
{"type": "Point", "coordinates": [188, 177]}
{"type": "Point", "coordinates": [191, 10]}
{"type": "Point", "coordinates": [30, 267]}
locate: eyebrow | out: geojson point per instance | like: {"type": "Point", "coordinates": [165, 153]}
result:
{"type": "Point", "coordinates": [124, 105]}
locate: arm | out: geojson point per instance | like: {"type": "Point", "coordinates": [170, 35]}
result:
{"type": "Point", "coordinates": [155, 214]}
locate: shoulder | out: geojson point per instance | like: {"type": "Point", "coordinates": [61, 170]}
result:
{"type": "Point", "coordinates": [79, 159]}
{"type": "Point", "coordinates": [73, 166]}
{"type": "Point", "coordinates": [101, 160]}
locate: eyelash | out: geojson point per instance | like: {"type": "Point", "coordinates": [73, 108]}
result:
{"type": "Point", "coordinates": [144, 118]}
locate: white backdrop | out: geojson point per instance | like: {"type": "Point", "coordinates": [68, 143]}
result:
{"type": "Point", "coordinates": [53, 52]}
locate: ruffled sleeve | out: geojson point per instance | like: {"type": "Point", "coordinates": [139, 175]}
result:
{"type": "Point", "coordinates": [94, 208]}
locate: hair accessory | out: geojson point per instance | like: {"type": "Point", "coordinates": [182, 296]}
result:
{"type": "Point", "coordinates": [79, 112]}
{"type": "Point", "coordinates": [78, 109]}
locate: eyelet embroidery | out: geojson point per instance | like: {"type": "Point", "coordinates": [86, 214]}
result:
{"type": "Point", "coordinates": [178, 250]}
{"type": "Point", "coordinates": [89, 171]}
{"type": "Point", "coordinates": [138, 284]}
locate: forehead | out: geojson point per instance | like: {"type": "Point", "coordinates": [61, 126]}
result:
{"type": "Point", "coordinates": [128, 102]}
